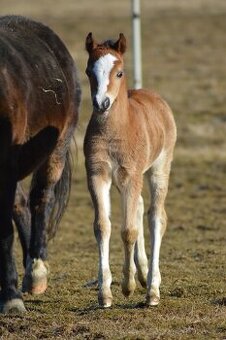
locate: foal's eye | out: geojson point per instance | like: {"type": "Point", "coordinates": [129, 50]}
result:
{"type": "Point", "coordinates": [120, 74]}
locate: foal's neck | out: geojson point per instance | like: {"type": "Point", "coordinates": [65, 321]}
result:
{"type": "Point", "coordinates": [119, 111]}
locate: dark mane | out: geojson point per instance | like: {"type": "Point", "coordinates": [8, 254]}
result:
{"type": "Point", "coordinates": [107, 44]}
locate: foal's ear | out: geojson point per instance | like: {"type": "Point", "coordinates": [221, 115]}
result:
{"type": "Point", "coordinates": [120, 44]}
{"type": "Point", "coordinates": [90, 43]}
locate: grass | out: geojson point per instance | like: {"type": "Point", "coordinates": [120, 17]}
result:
{"type": "Point", "coordinates": [183, 59]}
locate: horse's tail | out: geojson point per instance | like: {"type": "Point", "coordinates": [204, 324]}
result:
{"type": "Point", "coordinates": [62, 193]}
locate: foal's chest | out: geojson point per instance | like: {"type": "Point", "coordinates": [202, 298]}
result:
{"type": "Point", "coordinates": [121, 162]}
{"type": "Point", "coordinates": [115, 152]}
{"type": "Point", "coordinates": [120, 174]}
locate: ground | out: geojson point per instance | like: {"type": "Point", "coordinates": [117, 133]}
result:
{"type": "Point", "coordinates": [184, 49]}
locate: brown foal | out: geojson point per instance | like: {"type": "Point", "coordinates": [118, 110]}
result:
{"type": "Point", "coordinates": [130, 133]}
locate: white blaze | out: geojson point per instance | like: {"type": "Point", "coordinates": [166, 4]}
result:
{"type": "Point", "coordinates": [102, 69]}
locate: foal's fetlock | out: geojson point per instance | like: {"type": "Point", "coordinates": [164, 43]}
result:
{"type": "Point", "coordinates": [128, 287]}
{"type": "Point", "coordinates": [35, 278]}
{"type": "Point", "coordinates": [105, 299]}
{"type": "Point", "coordinates": [142, 276]}
{"type": "Point", "coordinates": [153, 297]}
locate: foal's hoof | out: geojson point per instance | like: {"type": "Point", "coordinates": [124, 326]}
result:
{"type": "Point", "coordinates": [152, 300]}
{"type": "Point", "coordinates": [35, 279]}
{"type": "Point", "coordinates": [105, 301]}
{"type": "Point", "coordinates": [14, 306]}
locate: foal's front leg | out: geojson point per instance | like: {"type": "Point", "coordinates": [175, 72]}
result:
{"type": "Point", "coordinates": [130, 199]}
{"type": "Point", "coordinates": [99, 187]}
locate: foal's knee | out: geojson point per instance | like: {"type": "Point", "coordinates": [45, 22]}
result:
{"type": "Point", "coordinates": [102, 228]}
{"type": "Point", "coordinates": [129, 235]}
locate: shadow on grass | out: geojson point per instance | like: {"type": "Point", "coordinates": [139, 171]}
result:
{"type": "Point", "coordinates": [95, 307]}
{"type": "Point", "coordinates": [220, 301]}
{"type": "Point", "coordinates": [38, 304]}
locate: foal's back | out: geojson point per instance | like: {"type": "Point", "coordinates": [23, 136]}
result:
{"type": "Point", "coordinates": [154, 114]}
{"type": "Point", "coordinates": [151, 127]}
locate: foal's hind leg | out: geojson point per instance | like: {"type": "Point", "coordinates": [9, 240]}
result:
{"type": "Point", "coordinates": [41, 204]}
{"type": "Point", "coordinates": [158, 177]}
{"type": "Point", "coordinates": [140, 253]}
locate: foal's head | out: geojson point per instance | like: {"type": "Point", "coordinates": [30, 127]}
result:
{"type": "Point", "coordinates": [105, 69]}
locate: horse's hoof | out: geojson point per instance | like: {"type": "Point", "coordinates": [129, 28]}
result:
{"type": "Point", "coordinates": [35, 279]}
{"type": "Point", "coordinates": [14, 306]}
{"type": "Point", "coordinates": [38, 287]}
{"type": "Point", "coordinates": [128, 287]}
{"type": "Point", "coordinates": [152, 300]}
{"type": "Point", "coordinates": [105, 301]}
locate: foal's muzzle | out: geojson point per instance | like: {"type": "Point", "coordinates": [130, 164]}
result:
{"type": "Point", "coordinates": [104, 106]}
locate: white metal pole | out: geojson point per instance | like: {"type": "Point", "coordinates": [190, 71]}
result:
{"type": "Point", "coordinates": [137, 65]}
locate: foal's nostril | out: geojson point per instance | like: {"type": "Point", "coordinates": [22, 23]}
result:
{"type": "Point", "coordinates": [106, 103]}
{"type": "Point", "coordinates": [101, 107]}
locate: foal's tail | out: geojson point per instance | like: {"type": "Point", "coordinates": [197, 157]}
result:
{"type": "Point", "coordinates": [62, 193]}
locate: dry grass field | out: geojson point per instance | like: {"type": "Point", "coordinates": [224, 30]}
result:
{"type": "Point", "coordinates": [184, 59]}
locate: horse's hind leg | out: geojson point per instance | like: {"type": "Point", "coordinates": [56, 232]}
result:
{"type": "Point", "coordinates": [22, 220]}
{"type": "Point", "coordinates": [10, 298]}
{"type": "Point", "coordinates": [42, 198]}
{"type": "Point", "coordinates": [140, 254]}
{"type": "Point", "coordinates": [158, 177]}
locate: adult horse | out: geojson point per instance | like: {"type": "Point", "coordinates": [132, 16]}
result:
{"type": "Point", "coordinates": [39, 101]}
{"type": "Point", "coordinates": [130, 133]}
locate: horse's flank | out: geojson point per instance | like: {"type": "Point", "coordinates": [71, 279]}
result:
{"type": "Point", "coordinates": [26, 87]}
